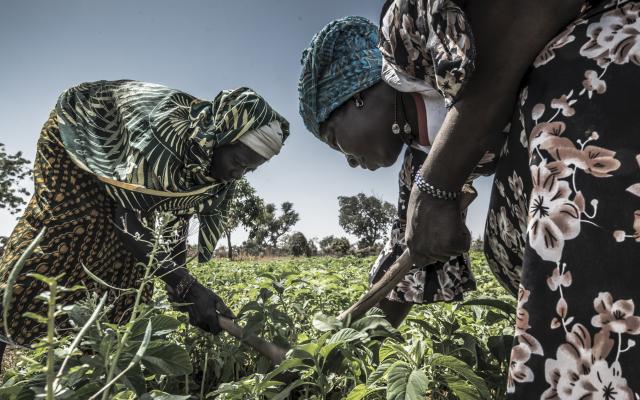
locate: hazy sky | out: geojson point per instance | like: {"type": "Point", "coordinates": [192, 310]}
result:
{"type": "Point", "coordinates": [200, 47]}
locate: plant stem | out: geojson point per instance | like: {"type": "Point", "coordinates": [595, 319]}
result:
{"type": "Point", "coordinates": [51, 375]}
{"type": "Point", "coordinates": [79, 337]}
{"type": "Point", "coordinates": [134, 312]}
{"type": "Point", "coordinates": [204, 375]}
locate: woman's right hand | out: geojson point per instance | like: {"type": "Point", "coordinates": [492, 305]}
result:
{"type": "Point", "coordinates": [204, 307]}
{"type": "Point", "coordinates": [435, 228]}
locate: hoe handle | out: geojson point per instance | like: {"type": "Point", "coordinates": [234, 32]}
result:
{"type": "Point", "coordinates": [274, 353]}
{"type": "Point", "coordinates": [393, 276]}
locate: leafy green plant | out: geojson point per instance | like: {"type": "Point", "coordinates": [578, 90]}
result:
{"type": "Point", "coordinates": [443, 351]}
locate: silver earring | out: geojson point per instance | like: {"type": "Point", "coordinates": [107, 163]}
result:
{"type": "Point", "coordinates": [395, 128]}
{"type": "Point", "coordinates": [358, 99]}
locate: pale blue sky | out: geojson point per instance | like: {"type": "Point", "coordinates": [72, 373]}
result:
{"type": "Point", "coordinates": [200, 47]}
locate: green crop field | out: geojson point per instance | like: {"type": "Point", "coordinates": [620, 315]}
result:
{"type": "Point", "coordinates": [443, 351]}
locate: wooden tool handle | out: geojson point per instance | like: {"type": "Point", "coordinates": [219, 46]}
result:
{"type": "Point", "coordinates": [274, 353]}
{"type": "Point", "coordinates": [394, 275]}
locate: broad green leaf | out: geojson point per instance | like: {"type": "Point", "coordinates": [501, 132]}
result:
{"type": "Point", "coordinates": [391, 348]}
{"type": "Point", "coordinates": [159, 395]}
{"type": "Point", "coordinates": [462, 389]}
{"type": "Point", "coordinates": [162, 325]}
{"type": "Point", "coordinates": [127, 395]}
{"type": "Point", "coordinates": [287, 391]}
{"type": "Point", "coordinates": [168, 359]}
{"type": "Point", "coordinates": [462, 369]}
{"type": "Point", "coordinates": [310, 349]}
{"type": "Point", "coordinates": [357, 393]}
{"type": "Point", "coordinates": [405, 383]}
{"type": "Point", "coordinates": [328, 348]}
{"type": "Point", "coordinates": [286, 365]}
{"type": "Point", "coordinates": [347, 335]}
{"type": "Point", "coordinates": [494, 317]}
{"type": "Point", "coordinates": [371, 322]}
{"type": "Point", "coordinates": [380, 371]}
{"type": "Point", "coordinates": [325, 323]}
{"type": "Point", "coordinates": [417, 386]}
{"type": "Point", "coordinates": [397, 380]}
{"type": "Point", "coordinates": [503, 306]}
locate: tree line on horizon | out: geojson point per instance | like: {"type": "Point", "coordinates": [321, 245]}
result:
{"type": "Point", "coordinates": [269, 225]}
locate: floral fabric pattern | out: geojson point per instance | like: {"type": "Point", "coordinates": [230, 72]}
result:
{"type": "Point", "coordinates": [429, 283]}
{"type": "Point", "coordinates": [430, 40]}
{"type": "Point", "coordinates": [565, 210]}
{"type": "Point", "coordinates": [423, 284]}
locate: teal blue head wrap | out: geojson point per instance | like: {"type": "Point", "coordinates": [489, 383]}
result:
{"type": "Point", "coordinates": [342, 60]}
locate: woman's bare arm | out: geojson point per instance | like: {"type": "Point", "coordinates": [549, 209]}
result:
{"type": "Point", "coordinates": [508, 35]}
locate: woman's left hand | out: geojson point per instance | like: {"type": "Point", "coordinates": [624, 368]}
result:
{"type": "Point", "coordinates": [435, 228]}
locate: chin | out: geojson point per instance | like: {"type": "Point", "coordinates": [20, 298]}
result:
{"type": "Point", "coordinates": [388, 160]}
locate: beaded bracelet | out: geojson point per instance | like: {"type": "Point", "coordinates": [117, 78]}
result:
{"type": "Point", "coordinates": [428, 188]}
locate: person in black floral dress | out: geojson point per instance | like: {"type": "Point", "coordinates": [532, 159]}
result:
{"type": "Point", "coordinates": [566, 206]}
{"type": "Point", "coordinates": [564, 218]}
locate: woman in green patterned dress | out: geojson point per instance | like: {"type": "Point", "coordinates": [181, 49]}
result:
{"type": "Point", "coordinates": [114, 154]}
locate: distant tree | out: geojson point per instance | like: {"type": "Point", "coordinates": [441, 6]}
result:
{"type": "Point", "coordinates": [298, 245]}
{"type": "Point", "coordinates": [335, 246]}
{"type": "Point", "coordinates": [252, 247]}
{"type": "Point", "coordinates": [13, 169]}
{"type": "Point", "coordinates": [313, 247]}
{"type": "Point", "coordinates": [340, 246]}
{"type": "Point", "coordinates": [477, 244]}
{"type": "Point", "coordinates": [245, 209]}
{"type": "Point", "coordinates": [271, 227]}
{"type": "Point", "coordinates": [325, 244]}
{"type": "Point", "coordinates": [366, 217]}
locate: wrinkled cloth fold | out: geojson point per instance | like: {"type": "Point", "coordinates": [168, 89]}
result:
{"type": "Point", "coordinates": [432, 41]}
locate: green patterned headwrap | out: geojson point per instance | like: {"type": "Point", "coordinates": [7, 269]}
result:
{"type": "Point", "coordinates": [113, 127]}
{"type": "Point", "coordinates": [342, 60]}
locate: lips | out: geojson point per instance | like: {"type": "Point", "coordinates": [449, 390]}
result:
{"type": "Point", "coordinates": [370, 166]}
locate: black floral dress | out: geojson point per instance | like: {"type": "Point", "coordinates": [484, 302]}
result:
{"type": "Point", "coordinates": [566, 207]}
{"type": "Point", "coordinates": [564, 218]}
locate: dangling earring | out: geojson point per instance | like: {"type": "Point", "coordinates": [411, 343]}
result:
{"type": "Point", "coordinates": [358, 99]}
{"type": "Point", "coordinates": [406, 128]}
{"type": "Point", "coordinates": [395, 128]}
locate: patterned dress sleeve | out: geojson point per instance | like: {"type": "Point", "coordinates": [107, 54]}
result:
{"type": "Point", "coordinates": [423, 284]}
{"type": "Point", "coordinates": [429, 40]}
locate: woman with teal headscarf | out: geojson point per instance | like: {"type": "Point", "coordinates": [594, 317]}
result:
{"type": "Point", "coordinates": [113, 157]}
{"type": "Point", "coordinates": [361, 104]}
